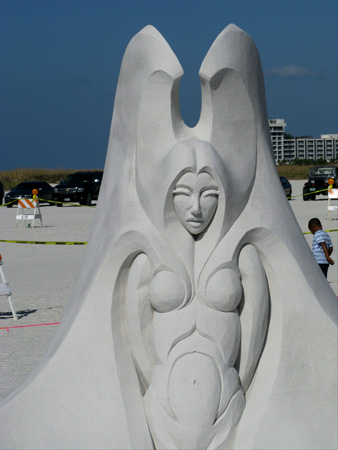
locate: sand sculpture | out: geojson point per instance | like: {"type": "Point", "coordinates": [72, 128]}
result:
{"type": "Point", "coordinates": [206, 322]}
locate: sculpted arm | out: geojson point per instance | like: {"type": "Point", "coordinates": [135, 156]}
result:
{"type": "Point", "coordinates": [254, 313]}
{"type": "Point", "coordinates": [138, 314]}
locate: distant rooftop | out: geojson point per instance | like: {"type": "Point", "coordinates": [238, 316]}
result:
{"type": "Point", "coordinates": [329, 136]}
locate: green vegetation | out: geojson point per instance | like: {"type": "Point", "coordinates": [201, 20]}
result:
{"type": "Point", "coordinates": [300, 171]}
{"type": "Point", "coordinates": [292, 172]}
{"type": "Point", "coordinates": [10, 178]}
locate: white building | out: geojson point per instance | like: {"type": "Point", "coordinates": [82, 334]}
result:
{"type": "Point", "coordinates": [277, 129]}
{"type": "Point", "coordinates": [309, 148]}
{"type": "Point", "coordinates": [326, 147]}
{"type": "Point", "coordinates": [329, 136]}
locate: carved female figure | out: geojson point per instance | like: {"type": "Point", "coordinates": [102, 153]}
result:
{"type": "Point", "coordinates": [193, 394]}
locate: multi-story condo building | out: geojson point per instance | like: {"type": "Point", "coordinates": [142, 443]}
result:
{"type": "Point", "coordinates": [325, 147]}
{"type": "Point", "coordinates": [277, 129]}
{"type": "Point", "coordinates": [331, 147]}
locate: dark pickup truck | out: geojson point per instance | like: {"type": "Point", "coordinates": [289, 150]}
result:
{"type": "Point", "coordinates": [318, 181]}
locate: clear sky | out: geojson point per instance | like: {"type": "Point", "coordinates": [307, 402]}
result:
{"type": "Point", "coordinates": [60, 61]}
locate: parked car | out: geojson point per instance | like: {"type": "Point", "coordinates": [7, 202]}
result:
{"type": "Point", "coordinates": [24, 190]}
{"type": "Point", "coordinates": [318, 181]}
{"type": "Point", "coordinates": [81, 187]}
{"type": "Point", "coordinates": [286, 186]}
{"type": "Point", "coordinates": [2, 191]}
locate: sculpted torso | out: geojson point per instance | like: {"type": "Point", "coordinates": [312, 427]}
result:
{"type": "Point", "coordinates": [192, 391]}
{"type": "Point", "coordinates": [198, 345]}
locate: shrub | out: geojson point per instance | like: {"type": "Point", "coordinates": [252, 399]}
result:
{"type": "Point", "coordinates": [295, 172]}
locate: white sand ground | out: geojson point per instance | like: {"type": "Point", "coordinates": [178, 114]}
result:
{"type": "Point", "coordinates": [42, 277]}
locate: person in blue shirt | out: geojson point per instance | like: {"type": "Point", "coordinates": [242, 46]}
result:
{"type": "Point", "coordinates": [321, 246]}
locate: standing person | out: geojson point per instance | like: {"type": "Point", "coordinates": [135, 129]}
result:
{"type": "Point", "coordinates": [321, 246]}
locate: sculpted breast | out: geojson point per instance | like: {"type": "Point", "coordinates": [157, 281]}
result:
{"type": "Point", "coordinates": [166, 291]}
{"type": "Point", "coordinates": [224, 290]}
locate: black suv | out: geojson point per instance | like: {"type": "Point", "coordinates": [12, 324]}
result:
{"type": "Point", "coordinates": [82, 187]}
{"type": "Point", "coordinates": [318, 180]}
{"type": "Point", "coordinates": [24, 190]}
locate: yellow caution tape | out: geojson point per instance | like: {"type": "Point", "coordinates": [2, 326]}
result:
{"type": "Point", "coordinates": [5, 204]}
{"type": "Point", "coordinates": [10, 241]}
{"type": "Point", "coordinates": [91, 206]}
{"type": "Point", "coordinates": [309, 193]}
{"type": "Point", "coordinates": [327, 231]}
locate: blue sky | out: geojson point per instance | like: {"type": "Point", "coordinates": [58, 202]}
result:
{"type": "Point", "coordinates": [60, 61]}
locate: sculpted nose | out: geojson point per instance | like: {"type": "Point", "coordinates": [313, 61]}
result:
{"type": "Point", "coordinates": [196, 206]}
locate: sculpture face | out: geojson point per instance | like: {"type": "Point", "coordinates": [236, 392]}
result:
{"type": "Point", "coordinates": [195, 201]}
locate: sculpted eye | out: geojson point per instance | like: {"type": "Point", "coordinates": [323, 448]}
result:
{"type": "Point", "coordinates": [182, 191]}
{"type": "Point", "coordinates": [210, 193]}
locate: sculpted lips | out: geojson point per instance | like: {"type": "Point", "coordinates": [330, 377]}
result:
{"type": "Point", "coordinates": [195, 223]}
